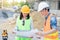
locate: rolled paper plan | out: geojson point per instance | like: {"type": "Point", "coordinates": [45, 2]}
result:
{"type": "Point", "coordinates": [26, 33]}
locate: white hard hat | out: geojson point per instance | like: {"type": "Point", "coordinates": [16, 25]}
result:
{"type": "Point", "coordinates": [42, 5]}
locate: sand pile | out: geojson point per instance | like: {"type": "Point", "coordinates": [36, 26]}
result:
{"type": "Point", "coordinates": [38, 19]}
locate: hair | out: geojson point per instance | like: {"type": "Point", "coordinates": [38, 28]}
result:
{"type": "Point", "coordinates": [4, 30]}
{"type": "Point", "coordinates": [21, 16]}
{"type": "Point", "coordinates": [47, 9]}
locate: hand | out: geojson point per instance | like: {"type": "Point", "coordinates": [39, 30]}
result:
{"type": "Point", "coordinates": [38, 37]}
{"type": "Point", "coordinates": [40, 33]}
{"type": "Point", "coordinates": [30, 36]}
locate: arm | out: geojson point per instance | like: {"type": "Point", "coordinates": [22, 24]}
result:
{"type": "Point", "coordinates": [51, 31]}
{"type": "Point", "coordinates": [16, 28]}
{"type": "Point", "coordinates": [53, 24]}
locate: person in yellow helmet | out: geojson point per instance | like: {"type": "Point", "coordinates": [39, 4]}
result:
{"type": "Point", "coordinates": [24, 23]}
{"type": "Point", "coordinates": [50, 31]}
{"type": "Point", "coordinates": [5, 35]}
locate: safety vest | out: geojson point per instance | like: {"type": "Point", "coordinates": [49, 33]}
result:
{"type": "Point", "coordinates": [20, 27]}
{"type": "Point", "coordinates": [47, 28]}
{"type": "Point", "coordinates": [25, 27]}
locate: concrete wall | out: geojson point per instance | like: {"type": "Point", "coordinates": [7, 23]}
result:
{"type": "Point", "coordinates": [57, 12]}
{"type": "Point", "coordinates": [53, 4]}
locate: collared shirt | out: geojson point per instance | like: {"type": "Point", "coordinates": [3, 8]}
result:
{"type": "Point", "coordinates": [53, 21]}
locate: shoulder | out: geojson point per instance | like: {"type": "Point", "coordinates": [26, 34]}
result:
{"type": "Point", "coordinates": [31, 18]}
{"type": "Point", "coordinates": [53, 19]}
{"type": "Point", "coordinates": [53, 15]}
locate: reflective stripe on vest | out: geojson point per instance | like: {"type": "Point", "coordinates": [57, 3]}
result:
{"type": "Point", "coordinates": [26, 27]}
{"type": "Point", "coordinates": [48, 28]}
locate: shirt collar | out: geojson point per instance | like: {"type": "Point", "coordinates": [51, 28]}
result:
{"type": "Point", "coordinates": [47, 16]}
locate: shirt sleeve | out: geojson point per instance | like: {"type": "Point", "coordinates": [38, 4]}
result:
{"type": "Point", "coordinates": [53, 22]}
{"type": "Point", "coordinates": [31, 25]}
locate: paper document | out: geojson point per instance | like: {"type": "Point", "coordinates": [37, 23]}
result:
{"type": "Point", "coordinates": [27, 34]}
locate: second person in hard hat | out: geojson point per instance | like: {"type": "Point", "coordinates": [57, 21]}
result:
{"type": "Point", "coordinates": [24, 23]}
{"type": "Point", "coordinates": [50, 31]}
{"type": "Point", "coordinates": [5, 35]}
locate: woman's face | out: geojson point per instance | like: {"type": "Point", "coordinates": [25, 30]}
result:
{"type": "Point", "coordinates": [25, 14]}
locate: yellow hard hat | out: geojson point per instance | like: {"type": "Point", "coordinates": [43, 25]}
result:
{"type": "Point", "coordinates": [25, 9]}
